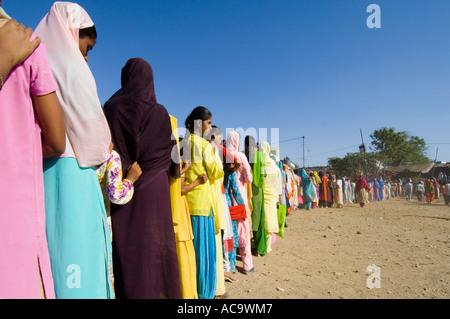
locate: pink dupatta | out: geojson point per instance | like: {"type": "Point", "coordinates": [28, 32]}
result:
{"type": "Point", "coordinates": [87, 131]}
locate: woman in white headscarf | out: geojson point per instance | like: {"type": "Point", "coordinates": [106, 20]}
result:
{"type": "Point", "coordinates": [77, 231]}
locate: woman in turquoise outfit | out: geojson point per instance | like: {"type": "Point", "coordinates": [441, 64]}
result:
{"type": "Point", "coordinates": [78, 235]}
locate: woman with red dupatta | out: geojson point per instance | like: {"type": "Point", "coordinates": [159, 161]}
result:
{"type": "Point", "coordinates": [144, 249]}
{"type": "Point", "coordinates": [361, 187]}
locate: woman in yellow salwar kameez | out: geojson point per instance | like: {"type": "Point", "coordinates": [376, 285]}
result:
{"type": "Point", "coordinates": [215, 138]}
{"type": "Point", "coordinates": [271, 195]}
{"type": "Point", "coordinates": [200, 202]}
{"type": "Point", "coordinates": [183, 229]}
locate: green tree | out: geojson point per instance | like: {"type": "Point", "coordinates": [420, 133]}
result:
{"type": "Point", "coordinates": [353, 164]}
{"type": "Point", "coordinates": [398, 148]}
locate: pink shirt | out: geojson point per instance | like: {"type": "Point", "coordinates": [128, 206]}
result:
{"type": "Point", "coordinates": [22, 215]}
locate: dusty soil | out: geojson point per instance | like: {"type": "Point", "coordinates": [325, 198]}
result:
{"type": "Point", "coordinates": [326, 252]}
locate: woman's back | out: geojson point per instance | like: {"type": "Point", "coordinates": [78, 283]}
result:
{"type": "Point", "coordinates": [203, 162]}
{"type": "Point", "coordinates": [145, 261]}
{"type": "Point", "coordinates": [21, 162]}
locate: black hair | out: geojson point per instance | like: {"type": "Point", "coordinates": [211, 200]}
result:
{"type": "Point", "coordinates": [249, 147]}
{"type": "Point", "coordinates": [214, 133]}
{"type": "Point", "coordinates": [199, 113]}
{"type": "Point", "coordinates": [90, 32]}
{"type": "Point", "coordinates": [249, 141]}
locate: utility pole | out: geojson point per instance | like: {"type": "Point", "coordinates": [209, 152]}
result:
{"type": "Point", "coordinates": [303, 151]}
{"type": "Point", "coordinates": [435, 159]}
{"type": "Point", "coordinates": [362, 139]}
{"type": "Point", "coordinates": [362, 149]}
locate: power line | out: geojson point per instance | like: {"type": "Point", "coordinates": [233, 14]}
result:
{"type": "Point", "coordinates": [337, 150]}
{"type": "Point", "coordinates": [328, 152]}
{"type": "Point", "coordinates": [292, 139]}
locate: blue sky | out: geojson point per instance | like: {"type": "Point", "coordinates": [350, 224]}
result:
{"type": "Point", "coordinates": [306, 67]}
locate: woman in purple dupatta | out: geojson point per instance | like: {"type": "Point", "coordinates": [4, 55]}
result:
{"type": "Point", "coordinates": [144, 250]}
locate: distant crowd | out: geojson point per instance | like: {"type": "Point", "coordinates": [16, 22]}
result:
{"type": "Point", "coordinates": [329, 190]}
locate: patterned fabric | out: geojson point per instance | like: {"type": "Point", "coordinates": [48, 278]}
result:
{"type": "Point", "coordinates": [114, 189]}
{"type": "Point", "coordinates": [232, 192]}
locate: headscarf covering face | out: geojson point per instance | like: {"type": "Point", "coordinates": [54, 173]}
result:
{"type": "Point", "coordinates": [87, 131]}
{"type": "Point", "coordinates": [317, 178]}
{"type": "Point", "coordinates": [270, 166]}
{"type": "Point", "coordinates": [361, 183]}
{"type": "Point", "coordinates": [3, 14]}
{"type": "Point", "coordinates": [226, 156]}
{"type": "Point", "coordinates": [304, 178]}
{"type": "Point", "coordinates": [141, 128]}
{"type": "Point", "coordinates": [232, 141]}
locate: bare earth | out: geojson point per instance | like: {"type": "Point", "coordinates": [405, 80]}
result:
{"type": "Point", "coordinates": [325, 254]}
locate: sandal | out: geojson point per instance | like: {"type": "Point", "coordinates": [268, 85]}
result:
{"type": "Point", "coordinates": [224, 296]}
{"type": "Point", "coordinates": [229, 278]}
{"type": "Point", "coordinates": [248, 272]}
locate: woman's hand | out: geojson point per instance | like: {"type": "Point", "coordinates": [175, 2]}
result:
{"type": "Point", "coordinates": [134, 172]}
{"type": "Point", "coordinates": [185, 166]}
{"type": "Point", "coordinates": [202, 179]}
{"type": "Point", "coordinates": [15, 45]}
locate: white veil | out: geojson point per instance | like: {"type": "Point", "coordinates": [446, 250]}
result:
{"type": "Point", "coordinates": [87, 131]}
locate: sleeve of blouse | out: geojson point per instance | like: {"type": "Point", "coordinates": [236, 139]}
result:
{"type": "Point", "coordinates": [213, 169]}
{"type": "Point", "coordinates": [119, 192]}
{"type": "Point", "coordinates": [42, 81]}
{"type": "Point", "coordinates": [246, 172]}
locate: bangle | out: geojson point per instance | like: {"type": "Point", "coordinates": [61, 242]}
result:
{"type": "Point", "coordinates": [1, 81]}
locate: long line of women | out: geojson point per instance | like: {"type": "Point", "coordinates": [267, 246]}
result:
{"type": "Point", "coordinates": [110, 202]}
{"type": "Point", "coordinates": [328, 190]}
{"type": "Point", "coordinates": [73, 227]}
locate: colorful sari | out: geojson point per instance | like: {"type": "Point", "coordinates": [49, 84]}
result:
{"type": "Point", "coordinates": [429, 191]}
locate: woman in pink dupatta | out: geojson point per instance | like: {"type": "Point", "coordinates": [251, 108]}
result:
{"type": "Point", "coordinates": [244, 176]}
{"type": "Point", "coordinates": [78, 235]}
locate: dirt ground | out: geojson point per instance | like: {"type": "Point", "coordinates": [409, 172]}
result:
{"type": "Point", "coordinates": [326, 252]}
